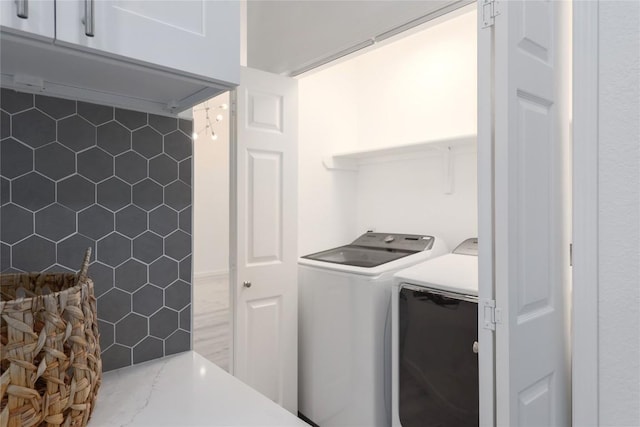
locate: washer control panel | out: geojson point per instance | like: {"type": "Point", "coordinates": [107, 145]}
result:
{"type": "Point", "coordinates": [404, 242]}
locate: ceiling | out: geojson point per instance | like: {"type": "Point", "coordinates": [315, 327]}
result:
{"type": "Point", "coordinates": [286, 37]}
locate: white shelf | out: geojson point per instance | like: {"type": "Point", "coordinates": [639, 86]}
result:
{"type": "Point", "coordinates": [351, 160]}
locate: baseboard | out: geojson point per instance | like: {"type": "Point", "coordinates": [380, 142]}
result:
{"type": "Point", "coordinates": [209, 276]}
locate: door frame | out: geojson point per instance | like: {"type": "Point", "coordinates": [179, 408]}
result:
{"type": "Point", "coordinates": [233, 225]}
{"type": "Point", "coordinates": [486, 222]}
{"type": "Point", "coordinates": [585, 214]}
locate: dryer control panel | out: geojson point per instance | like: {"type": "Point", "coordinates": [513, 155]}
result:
{"type": "Point", "coordinates": [468, 247]}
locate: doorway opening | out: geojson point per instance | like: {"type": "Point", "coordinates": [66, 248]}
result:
{"type": "Point", "coordinates": [211, 298]}
{"type": "Point", "coordinates": [339, 111]}
{"type": "Point", "coordinates": [371, 146]}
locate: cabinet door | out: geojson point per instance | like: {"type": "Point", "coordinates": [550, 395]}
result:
{"type": "Point", "coordinates": [33, 18]}
{"type": "Point", "coordinates": [196, 37]}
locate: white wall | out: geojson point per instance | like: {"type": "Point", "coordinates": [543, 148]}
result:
{"type": "Point", "coordinates": [418, 88]}
{"type": "Point", "coordinates": [407, 196]}
{"type": "Point", "coordinates": [328, 123]}
{"type": "Point", "coordinates": [211, 192]}
{"type": "Point", "coordinates": [619, 213]}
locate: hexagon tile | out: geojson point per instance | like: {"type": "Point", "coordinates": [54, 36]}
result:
{"type": "Point", "coordinates": [77, 175]}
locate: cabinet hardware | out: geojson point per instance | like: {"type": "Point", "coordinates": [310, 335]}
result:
{"type": "Point", "coordinates": [570, 254]}
{"type": "Point", "coordinates": [89, 18]}
{"type": "Point", "coordinates": [246, 284]}
{"type": "Point", "coordinates": [23, 8]}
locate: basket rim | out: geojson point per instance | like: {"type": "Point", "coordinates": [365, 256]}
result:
{"type": "Point", "coordinates": [78, 285]}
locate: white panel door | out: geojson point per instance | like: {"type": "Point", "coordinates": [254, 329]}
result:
{"type": "Point", "coordinates": [31, 18]}
{"type": "Point", "coordinates": [263, 237]}
{"type": "Point", "coordinates": [531, 238]}
{"type": "Point", "coordinates": [199, 37]}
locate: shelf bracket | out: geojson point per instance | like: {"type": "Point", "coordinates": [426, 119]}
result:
{"type": "Point", "coordinates": [333, 164]}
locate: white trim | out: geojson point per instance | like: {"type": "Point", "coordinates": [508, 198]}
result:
{"type": "Point", "coordinates": [243, 33]}
{"type": "Point", "coordinates": [448, 11]}
{"type": "Point", "coordinates": [233, 224]}
{"type": "Point", "coordinates": [208, 276]}
{"type": "Point", "coordinates": [400, 151]}
{"type": "Point", "coordinates": [585, 214]}
{"type": "Point", "coordinates": [486, 288]}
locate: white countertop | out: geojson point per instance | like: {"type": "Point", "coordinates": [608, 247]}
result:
{"type": "Point", "coordinates": [183, 390]}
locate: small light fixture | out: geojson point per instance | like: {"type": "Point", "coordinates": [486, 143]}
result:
{"type": "Point", "coordinates": [208, 128]}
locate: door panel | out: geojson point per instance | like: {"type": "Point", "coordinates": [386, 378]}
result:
{"type": "Point", "coordinates": [531, 235]}
{"type": "Point", "coordinates": [264, 235]}
{"type": "Point", "coordinates": [264, 349]}
{"type": "Point", "coordinates": [199, 37]}
{"type": "Point", "coordinates": [265, 207]}
{"type": "Point", "coordinates": [39, 22]}
{"type": "Point", "coordinates": [535, 404]}
{"type": "Point", "coordinates": [265, 111]}
{"type": "Point", "coordinates": [534, 153]}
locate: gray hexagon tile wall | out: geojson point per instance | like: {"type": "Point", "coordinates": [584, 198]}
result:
{"type": "Point", "coordinates": [75, 175]}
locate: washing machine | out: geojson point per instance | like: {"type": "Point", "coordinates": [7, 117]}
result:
{"type": "Point", "coordinates": [434, 341]}
{"type": "Point", "coordinates": [344, 338]}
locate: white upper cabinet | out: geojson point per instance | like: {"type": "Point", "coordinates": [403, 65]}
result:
{"type": "Point", "coordinates": [32, 18]}
{"type": "Point", "coordinates": [193, 36]}
{"type": "Point", "coordinates": [160, 56]}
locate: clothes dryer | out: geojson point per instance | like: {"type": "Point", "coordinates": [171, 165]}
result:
{"type": "Point", "coordinates": [434, 341]}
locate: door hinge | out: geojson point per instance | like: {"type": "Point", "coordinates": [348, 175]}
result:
{"type": "Point", "coordinates": [491, 314]}
{"type": "Point", "coordinates": [489, 13]}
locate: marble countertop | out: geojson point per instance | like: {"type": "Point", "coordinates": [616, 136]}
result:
{"type": "Point", "coordinates": [183, 390]}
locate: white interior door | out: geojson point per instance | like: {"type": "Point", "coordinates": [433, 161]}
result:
{"type": "Point", "coordinates": [531, 231]}
{"type": "Point", "coordinates": [264, 235]}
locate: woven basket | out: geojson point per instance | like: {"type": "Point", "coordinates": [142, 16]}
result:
{"type": "Point", "coordinates": [51, 366]}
